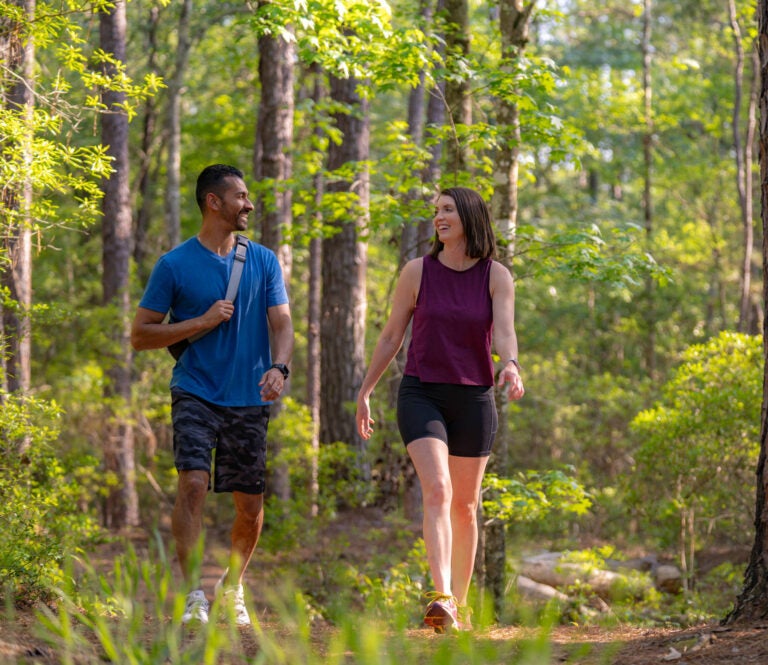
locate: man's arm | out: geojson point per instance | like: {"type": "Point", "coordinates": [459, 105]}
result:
{"type": "Point", "coordinates": [281, 329]}
{"type": "Point", "coordinates": [149, 332]}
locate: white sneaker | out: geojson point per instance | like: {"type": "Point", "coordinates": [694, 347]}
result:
{"type": "Point", "coordinates": [233, 597]}
{"type": "Point", "coordinates": [196, 609]}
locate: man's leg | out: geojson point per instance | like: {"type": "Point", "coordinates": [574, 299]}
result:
{"type": "Point", "coordinates": [187, 519]}
{"type": "Point", "coordinates": [249, 518]}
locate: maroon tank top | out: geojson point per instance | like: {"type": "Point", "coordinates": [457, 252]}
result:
{"type": "Point", "coordinates": [452, 325]}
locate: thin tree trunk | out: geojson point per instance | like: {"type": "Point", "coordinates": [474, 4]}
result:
{"type": "Point", "coordinates": [122, 507]}
{"type": "Point", "coordinates": [435, 118]}
{"type": "Point", "coordinates": [742, 175]}
{"type": "Point", "coordinates": [141, 248]}
{"type": "Point", "coordinates": [514, 25]}
{"type": "Point", "coordinates": [344, 271]}
{"type": "Point", "coordinates": [755, 317]}
{"type": "Point", "coordinates": [752, 603]}
{"type": "Point", "coordinates": [173, 129]}
{"type": "Point", "coordinates": [457, 39]}
{"type": "Point", "coordinates": [313, 351]}
{"type": "Point", "coordinates": [650, 313]}
{"type": "Point", "coordinates": [19, 55]}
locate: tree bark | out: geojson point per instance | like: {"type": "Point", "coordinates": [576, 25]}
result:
{"type": "Point", "coordinates": [435, 118]}
{"type": "Point", "coordinates": [15, 207]}
{"type": "Point", "coordinates": [514, 24]}
{"type": "Point", "coordinates": [141, 247]}
{"type": "Point", "coordinates": [650, 310]}
{"type": "Point", "coordinates": [314, 312]}
{"type": "Point", "coordinates": [122, 503]}
{"type": "Point", "coordinates": [743, 156]}
{"type": "Point", "coordinates": [752, 603]}
{"type": "Point", "coordinates": [457, 40]}
{"type": "Point", "coordinates": [173, 129]}
{"type": "Point", "coordinates": [273, 169]}
{"type": "Point", "coordinates": [344, 270]}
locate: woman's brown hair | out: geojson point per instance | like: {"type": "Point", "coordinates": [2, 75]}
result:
{"type": "Point", "coordinates": [476, 221]}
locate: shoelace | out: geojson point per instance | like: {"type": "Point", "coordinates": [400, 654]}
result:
{"type": "Point", "coordinates": [440, 596]}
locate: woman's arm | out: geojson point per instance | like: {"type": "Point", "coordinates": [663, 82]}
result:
{"type": "Point", "coordinates": [502, 288]}
{"type": "Point", "coordinates": [390, 340]}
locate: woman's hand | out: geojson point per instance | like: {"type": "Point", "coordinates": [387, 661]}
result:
{"type": "Point", "coordinates": [509, 374]}
{"type": "Point", "coordinates": [363, 418]}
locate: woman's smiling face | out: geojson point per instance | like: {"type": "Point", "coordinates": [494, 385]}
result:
{"type": "Point", "coordinates": [447, 222]}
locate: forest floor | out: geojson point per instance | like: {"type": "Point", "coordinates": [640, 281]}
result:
{"type": "Point", "coordinates": [623, 644]}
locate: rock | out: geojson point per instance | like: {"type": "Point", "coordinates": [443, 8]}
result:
{"type": "Point", "coordinates": [528, 588]}
{"type": "Point", "coordinates": [668, 578]}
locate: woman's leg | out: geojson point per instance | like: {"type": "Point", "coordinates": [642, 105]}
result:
{"type": "Point", "coordinates": [466, 475]}
{"type": "Point", "coordinates": [430, 458]}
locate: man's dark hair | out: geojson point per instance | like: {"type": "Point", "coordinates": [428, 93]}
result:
{"type": "Point", "coordinates": [211, 179]}
{"type": "Point", "coordinates": [476, 221]}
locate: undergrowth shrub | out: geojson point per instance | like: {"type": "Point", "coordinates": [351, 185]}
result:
{"type": "Point", "coordinates": [43, 509]}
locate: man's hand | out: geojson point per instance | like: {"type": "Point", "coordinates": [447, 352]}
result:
{"type": "Point", "coordinates": [220, 311]}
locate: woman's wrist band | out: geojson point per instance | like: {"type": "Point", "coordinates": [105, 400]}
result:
{"type": "Point", "coordinates": [515, 363]}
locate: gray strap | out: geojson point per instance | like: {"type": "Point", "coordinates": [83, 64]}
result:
{"type": "Point", "coordinates": [241, 250]}
{"type": "Point", "coordinates": [237, 268]}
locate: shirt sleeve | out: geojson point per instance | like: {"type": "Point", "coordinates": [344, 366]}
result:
{"type": "Point", "coordinates": [158, 295]}
{"type": "Point", "coordinates": [276, 291]}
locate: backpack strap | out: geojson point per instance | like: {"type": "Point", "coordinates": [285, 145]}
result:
{"type": "Point", "coordinates": [241, 251]}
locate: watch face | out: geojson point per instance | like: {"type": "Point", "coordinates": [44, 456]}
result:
{"type": "Point", "coordinates": [283, 369]}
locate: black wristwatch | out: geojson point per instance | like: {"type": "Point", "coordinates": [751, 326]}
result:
{"type": "Point", "coordinates": [283, 369]}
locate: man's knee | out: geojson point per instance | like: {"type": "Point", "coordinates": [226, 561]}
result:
{"type": "Point", "coordinates": [193, 487]}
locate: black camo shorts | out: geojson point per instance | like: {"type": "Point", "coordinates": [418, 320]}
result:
{"type": "Point", "coordinates": [237, 434]}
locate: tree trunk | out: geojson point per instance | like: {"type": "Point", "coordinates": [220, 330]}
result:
{"type": "Point", "coordinates": [314, 316]}
{"type": "Point", "coordinates": [273, 169]}
{"type": "Point", "coordinates": [122, 503]}
{"type": "Point", "coordinates": [744, 169]}
{"type": "Point", "coordinates": [754, 319]}
{"type": "Point", "coordinates": [18, 53]}
{"type": "Point", "coordinates": [457, 40]}
{"type": "Point", "coordinates": [514, 24]}
{"type": "Point", "coordinates": [142, 248]}
{"type": "Point", "coordinates": [173, 129]}
{"type": "Point", "coordinates": [344, 270]}
{"type": "Point", "coordinates": [435, 118]}
{"type": "Point", "coordinates": [650, 310]}
{"type": "Point", "coordinates": [752, 603]}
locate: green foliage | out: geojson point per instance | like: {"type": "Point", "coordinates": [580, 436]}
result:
{"type": "Point", "coordinates": [699, 443]}
{"type": "Point", "coordinates": [40, 149]}
{"type": "Point", "coordinates": [339, 476]}
{"type": "Point", "coordinates": [532, 496]}
{"type": "Point", "coordinates": [43, 499]}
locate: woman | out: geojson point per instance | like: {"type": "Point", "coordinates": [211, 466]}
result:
{"type": "Point", "coordinates": [460, 299]}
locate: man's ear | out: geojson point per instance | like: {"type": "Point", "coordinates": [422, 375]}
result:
{"type": "Point", "coordinates": [212, 201]}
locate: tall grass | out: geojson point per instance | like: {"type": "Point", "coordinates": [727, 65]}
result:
{"type": "Point", "coordinates": [132, 616]}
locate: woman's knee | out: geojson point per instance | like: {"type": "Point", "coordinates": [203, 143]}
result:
{"type": "Point", "coordinates": [464, 511]}
{"type": "Point", "coordinates": [437, 493]}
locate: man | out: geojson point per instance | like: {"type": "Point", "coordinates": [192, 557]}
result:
{"type": "Point", "coordinates": [223, 382]}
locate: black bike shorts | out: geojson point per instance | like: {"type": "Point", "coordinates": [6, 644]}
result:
{"type": "Point", "coordinates": [463, 417]}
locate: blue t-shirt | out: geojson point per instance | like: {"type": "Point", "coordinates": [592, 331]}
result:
{"type": "Point", "coordinates": [225, 366]}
